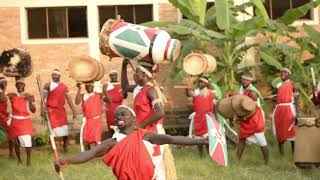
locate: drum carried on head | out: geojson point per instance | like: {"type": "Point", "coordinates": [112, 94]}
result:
{"type": "Point", "coordinates": [85, 69]}
{"type": "Point", "coordinates": [16, 63]}
{"type": "Point", "coordinates": [197, 63]}
{"type": "Point", "coordinates": [122, 39]}
{"type": "Point", "coordinates": [307, 144]}
{"type": "Point", "coordinates": [240, 106]}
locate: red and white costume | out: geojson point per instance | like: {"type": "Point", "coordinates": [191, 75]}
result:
{"type": "Point", "coordinates": [21, 124]}
{"type": "Point", "coordinates": [203, 105]}
{"type": "Point", "coordinates": [131, 157]}
{"type": "Point", "coordinates": [56, 100]}
{"type": "Point", "coordinates": [284, 113]}
{"type": "Point", "coordinates": [252, 128]}
{"type": "Point", "coordinates": [92, 109]}
{"type": "Point", "coordinates": [114, 92]}
{"type": "Point", "coordinates": [4, 118]}
{"type": "Point", "coordinates": [144, 110]}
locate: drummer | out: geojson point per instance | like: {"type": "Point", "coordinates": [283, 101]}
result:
{"type": "Point", "coordinates": [252, 128]}
{"type": "Point", "coordinates": [203, 105]}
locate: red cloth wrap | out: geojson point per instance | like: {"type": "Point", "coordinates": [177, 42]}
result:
{"type": "Point", "coordinates": [92, 109]}
{"type": "Point", "coordinates": [116, 97]}
{"type": "Point", "coordinates": [130, 159]}
{"type": "Point", "coordinates": [20, 127]}
{"type": "Point", "coordinates": [56, 100]}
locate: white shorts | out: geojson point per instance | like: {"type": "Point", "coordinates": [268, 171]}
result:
{"type": "Point", "coordinates": [258, 138]}
{"type": "Point", "coordinates": [25, 141]}
{"type": "Point", "coordinates": [201, 137]}
{"type": "Point", "coordinates": [61, 131]}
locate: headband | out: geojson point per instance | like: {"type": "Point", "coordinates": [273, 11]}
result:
{"type": "Point", "coordinates": [143, 69]}
{"type": "Point", "coordinates": [247, 78]}
{"type": "Point", "coordinates": [204, 80]}
{"type": "Point", "coordinates": [286, 70]}
{"type": "Point", "coordinates": [113, 71]}
{"type": "Point", "coordinates": [130, 109]}
{"type": "Point", "coordinates": [56, 72]}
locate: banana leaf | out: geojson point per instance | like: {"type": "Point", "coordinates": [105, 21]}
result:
{"type": "Point", "coordinates": [270, 60]}
{"type": "Point", "coordinates": [194, 10]}
{"type": "Point", "coordinates": [294, 14]}
{"type": "Point", "coordinates": [225, 14]}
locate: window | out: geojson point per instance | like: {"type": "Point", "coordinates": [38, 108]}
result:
{"type": "Point", "coordinates": [277, 8]}
{"type": "Point", "coordinates": [135, 14]}
{"type": "Point", "coordinates": [57, 22]}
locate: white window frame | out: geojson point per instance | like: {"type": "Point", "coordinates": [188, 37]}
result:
{"type": "Point", "coordinates": [92, 19]}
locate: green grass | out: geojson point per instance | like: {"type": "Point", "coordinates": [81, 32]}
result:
{"type": "Point", "coordinates": [188, 163]}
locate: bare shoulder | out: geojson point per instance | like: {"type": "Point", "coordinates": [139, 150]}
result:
{"type": "Point", "coordinates": [47, 86]}
{"type": "Point", "coordinates": [11, 95]}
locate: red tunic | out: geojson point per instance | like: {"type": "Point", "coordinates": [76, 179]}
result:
{"type": "Point", "coordinates": [144, 110]}
{"type": "Point", "coordinates": [4, 118]}
{"type": "Point", "coordinates": [20, 126]}
{"type": "Point", "coordinates": [92, 109]}
{"type": "Point", "coordinates": [283, 115]}
{"type": "Point", "coordinates": [130, 159]}
{"type": "Point", "coordinates": [202, 106]}
{"type": "Point", "coordinates": [56, 100]}
{"type": "Point", "coordinates": [254, 123]}
{"type": "Point", "coordinates": [116, 97]}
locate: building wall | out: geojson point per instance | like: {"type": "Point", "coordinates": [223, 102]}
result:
{"type": "Point", "coordinates": [47, 55]}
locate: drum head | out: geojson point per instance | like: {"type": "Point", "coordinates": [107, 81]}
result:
{"type": "Point", "coordinates": [194, 64]}
{"type": "Point", "coordinates": [104, 36]}
{"type": "Point", "coordinates": [83, 69]}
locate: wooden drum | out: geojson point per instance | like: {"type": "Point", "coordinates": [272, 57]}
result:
{"type": "Point", "coordinates": [122, 39]}
{"type": "Point", "coordinates": [307, 143]}
{"type": "Point", "coordinates": [197, 63]}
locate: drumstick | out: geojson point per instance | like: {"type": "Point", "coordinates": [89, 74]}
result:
{"type": "Point", "coordinates": [270, 97]}
{"type": "Point", "coordinates": [313, 77]}
{"type": "Point", "coordinates": [291, 126]}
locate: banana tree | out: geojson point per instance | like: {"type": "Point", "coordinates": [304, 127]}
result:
{"type": "Point", "coordinates": [217, 28]}
{"type": "Point", "coordinates": [290, 51]}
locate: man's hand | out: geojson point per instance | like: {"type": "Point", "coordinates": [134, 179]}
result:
{"type": "Point", "coordinates": [125, 61]}
{"type": "Point", "coordinates": [58, 165]}
{"type": "Point", "coordinates": [74, 115]}
{"type": "Point", "coordinates": [78, 85]}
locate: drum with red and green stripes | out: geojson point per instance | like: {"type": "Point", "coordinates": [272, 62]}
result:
{"type": "Point", "coordinates": [122, 39]}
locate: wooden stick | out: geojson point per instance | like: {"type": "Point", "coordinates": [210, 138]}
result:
{"type": "Point", "coordinates": [53, 143]}
{"type": "Point", "coordinates": [313, 77]}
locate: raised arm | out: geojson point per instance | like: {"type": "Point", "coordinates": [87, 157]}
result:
{"type": "Point", "coordinates": [157, 106]}
{"type": "Point", "coordinates": [178, 140]}
{"type": "Point", "coordinates": [124, 79]}
{"type": "Point", "coordinates": [106, 98]}
{"type": "Point", "coordinates": [86, 156]}
{"type": "Point", "coordinates": [79, 96]}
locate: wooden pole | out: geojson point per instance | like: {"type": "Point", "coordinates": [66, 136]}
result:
{"type": "Point", "coordinates": [53, 144]}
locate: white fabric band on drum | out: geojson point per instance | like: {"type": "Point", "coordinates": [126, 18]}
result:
{"type": "Point", "coordinates": [148, 73]}
{"type": "Point", "coordinates": [127, 107]}
{"type": "Point", "coordinates": [204, 80]}
{"type": "Point", "coordinates": [247, 78]}
{"type": "Point", "coordinates": [156, 101]}
{"type": "Point", "coordinates": [56, 72]}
